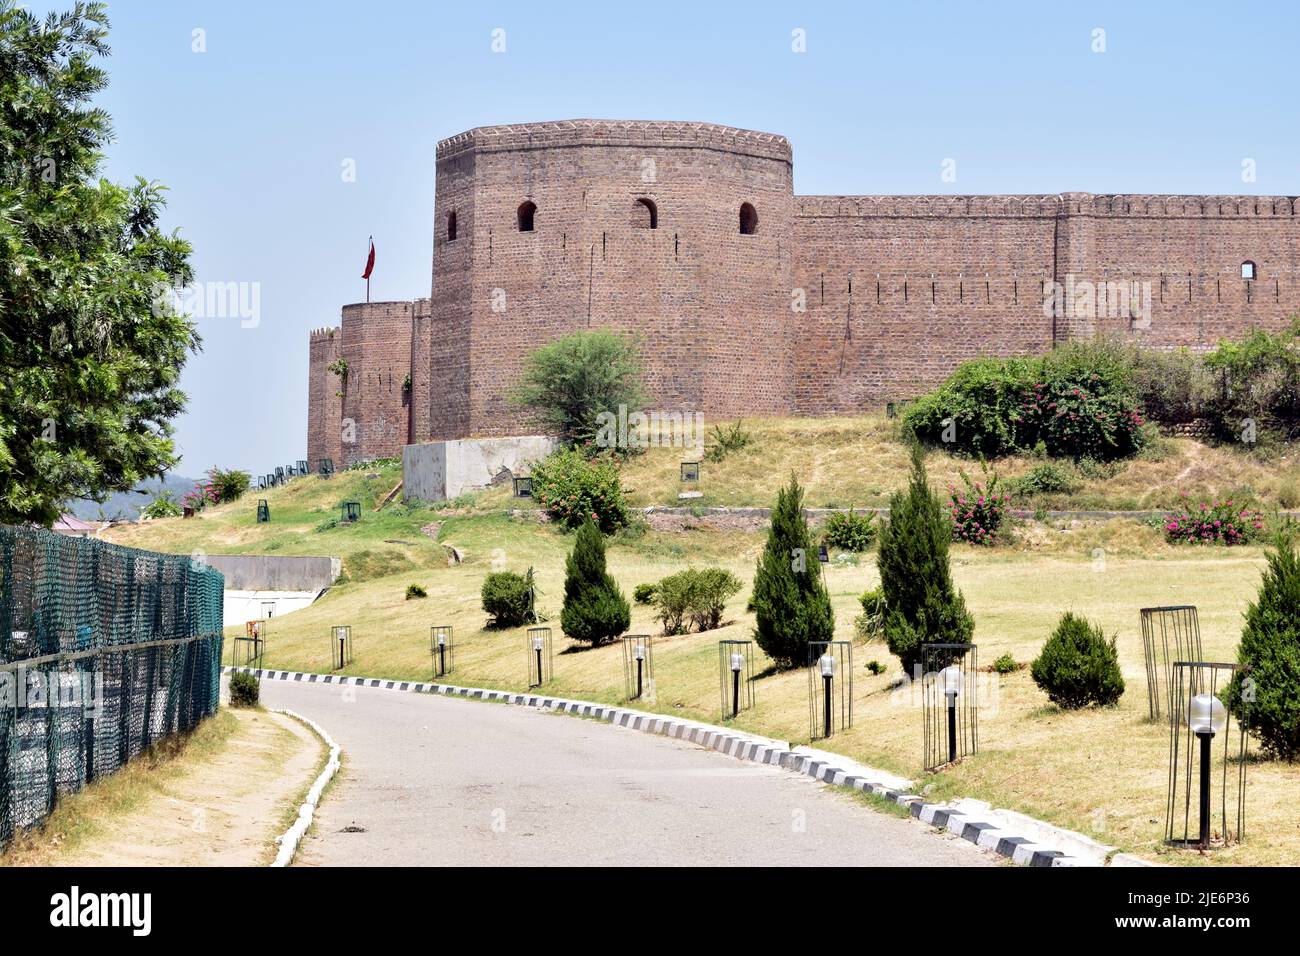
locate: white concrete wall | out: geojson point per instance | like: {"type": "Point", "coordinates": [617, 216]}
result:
{"type": "Point", "coordinates": [438, 471]}
{"type": "Point", "coordinates": [241, 606]}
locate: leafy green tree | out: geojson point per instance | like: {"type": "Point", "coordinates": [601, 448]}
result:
{"type": "Point", "coordinates": [790, 602]}
{"type": "Point", "coordinates": [1270, 644]}
{"type": "Point", "coordinates": [595, 610]}
{"type": "Point", "coordinates": [568, 383]}
{"type": "Point", "coordinates": [90, 351]}
{"type": "Point", "coordinates": [923, 605]}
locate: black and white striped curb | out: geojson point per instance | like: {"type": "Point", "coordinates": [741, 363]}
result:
{"type": "Point", "coordinates": [1018, 849]}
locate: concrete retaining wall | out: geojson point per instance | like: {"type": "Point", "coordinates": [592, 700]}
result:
{"type": "Point", "coordinates": [441, 470]}
{"type": "Point", "coordinates": [266, 572]}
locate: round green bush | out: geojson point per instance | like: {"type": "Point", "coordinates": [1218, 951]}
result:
{"type": "Point", "coordinates": [1078, 666]}
{"type": "Point", "coordinates": [645, 593]}
{"type": "Point", "coordinates": [508, 599]}
{"type": "Point", "coordinates": [415, 591]}
{"type": "Point", "coordinates": [245, 689]}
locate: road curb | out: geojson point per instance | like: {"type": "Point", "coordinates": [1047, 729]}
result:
{"type": "Point", "coordinates": [734, 743]}
{"type": "Point", "coordinates": [291, 837]}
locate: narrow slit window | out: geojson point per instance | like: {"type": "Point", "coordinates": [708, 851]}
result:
{"type": "Point", "coordinates": [451, 227]}
{"type": "Point", "coordinates": [647, 214]}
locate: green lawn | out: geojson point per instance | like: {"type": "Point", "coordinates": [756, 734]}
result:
{"type": "Point", "coordinates": [1102, 772]}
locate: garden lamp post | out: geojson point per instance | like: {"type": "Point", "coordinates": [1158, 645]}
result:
{"type": "Point", "coordinates": [828, 675]}
{"type": "Point", "coordinates": [951, 678]}
{"type": "Point", "coordinates": [737, 664]}
{"type": "Point", "coordinates": [537, 649]}
{"type": "Point", "coordinates": [342, 646]}
{"type": "Point", "coordinates": [442, 654]}
{"type": "Point", "coordinates": [1206, 717]}
{"type": "Point", "coordinates": [638, 654]}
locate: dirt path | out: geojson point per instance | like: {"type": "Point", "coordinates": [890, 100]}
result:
{"type": "Point", "coordinates": [219, 809]}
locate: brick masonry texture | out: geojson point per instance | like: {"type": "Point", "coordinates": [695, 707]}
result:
{"type": "Point", "coordinates": [832, 303]}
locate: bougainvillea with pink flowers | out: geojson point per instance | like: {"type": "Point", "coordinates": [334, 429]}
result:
{"type": "Point", "coordinates": [1213, 522]}
{"type": "Point", "coordinates": [977, 509]}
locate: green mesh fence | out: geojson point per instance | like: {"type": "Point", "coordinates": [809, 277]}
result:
{"type": "Point", "coordinates": [104, 650]}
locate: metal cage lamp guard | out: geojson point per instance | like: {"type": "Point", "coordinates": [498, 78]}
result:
{"type": "Point", "coordinates": [830, 687]}
{"type": "Point", "coordinates": [1168, 634]}
{"type": "Point", "coordinates": [539, 656]}
{"type": "Point", "coordinates": [690, 471]}
{"type": "Point", "coordinates": [949, 702]}
{"type": "Point", "coordinates": [1205, 699]}
{"type": "Point", "coordinates": [341, 645]}
{"type": "Point", "coordinates": [638, 666]}
{"type": "Point", "coordinates": [443, 649]}
{"type": "Point", "coordinates": [735, 677]}
{"type": "Point", "coordinates": [523, 486]}
{"type": "Point", "coordinates": [249, 649]}
{"type": "Point", "coordinates": [303, 468]}
{"type": "Point", "coordinates": [263, 511]}
{"type": "Point", "coordinates": [350, 511]}
{"type": "Point", "coordinates": [325, 467]}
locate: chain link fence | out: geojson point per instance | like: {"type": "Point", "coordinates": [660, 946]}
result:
{"type": "Point", "coordinates": [104, 650]}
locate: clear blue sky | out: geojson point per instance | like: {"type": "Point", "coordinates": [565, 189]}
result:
{"type": "Point", "coordinates": [250, 136]}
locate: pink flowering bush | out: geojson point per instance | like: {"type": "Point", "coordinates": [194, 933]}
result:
{"type": "Point", "coordinates": [977, 509]}
{"type": "Point", "coordinates": [574, 489]}
{"type": "Point", "coordinates": [1214, 522]}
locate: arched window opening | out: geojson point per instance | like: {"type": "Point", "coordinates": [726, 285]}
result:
{"type": "Point", "coordinates": [748, 219]}
{"type": "Point", "coordinates": [526, 211]}
{"type": "Point", "coordinates": [646, 214]}
{"type": "Point", "coordinates": [1248, 270]}
{"type": "Point", "coordinates": [451, 227]}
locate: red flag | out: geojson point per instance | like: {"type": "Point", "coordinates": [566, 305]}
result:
{"type": "Point", "coordinates": [370, 260]}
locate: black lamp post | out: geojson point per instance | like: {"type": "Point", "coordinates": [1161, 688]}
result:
{"type": "Point", "coordinates": [538, 643]}
{"type": "Point", "coordinates": [828, 677]}
{"type": "Point", "coordinates": [1206, 717]}
{"type": "Point", "coordinates": [442, 654]}
{"type": "Point", "coordinates": [737, 665]}
{"type": "Point", "coordinates": [951, 677]}
{"type": "Point", "coordinates": [638, 654]}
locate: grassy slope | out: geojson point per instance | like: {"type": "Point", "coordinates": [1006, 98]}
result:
{"type": "Point", "coordinates": [1101, 772]}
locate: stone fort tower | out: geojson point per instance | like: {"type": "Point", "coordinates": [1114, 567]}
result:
{"type": "Point", "coordinates": [751, 301]}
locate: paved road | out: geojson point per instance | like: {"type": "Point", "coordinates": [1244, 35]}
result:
{"type": "Point", "coordinates": [432, 780]}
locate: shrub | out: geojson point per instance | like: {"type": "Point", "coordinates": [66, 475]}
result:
{"type": "Point", "coordinates": [594, 608]}
{"type": "Point", "coordinates": [1078, 666]}
{"type": "Point", "coordinates": [1172, 387]}
{"type": "Point", "coordinates": [568, 383]}
{"type": "Point", "coordinates": [415, 591]}
{"type": "Point", "coordinates": [726, 440]}
{"type": "Point", "coordinates": [1256, 379]}
{"type": "Point", "coordinates": [1076, 401]}
{"type": "Point", "coordinates": [713, 588]}
{"type": "Point", "coordinates": [871, 623]}
{"type": "Point", "coordinates": [245, 690]}
{"type": "Point", "coordinates": [977, 510]}
{"type": "Point", "coordinates": [673, 602]}
{"type": "Point", "coordinates": [1005, 664]}
{"type": "Point", "coordinates": [574, 490]}
{"type": "Point", "coordinates": [644, 593]}
{"type": "Point", "coordinates": [849, 530]}
{"type": "Point", "coordinates": [789, 598]}
{"type": "Point", "coordinates": [875, 667]}
{"type": "Point", "coordinates": [1049, 478]}
{"type": "Point", "coordinates": [164, 506]}
{"type": "Point", "coordinates": [695, 598]}
{"type": "Point", "coordinates": [226, 486]}
{"type": "Point", "coordinates": [1218, 522]}
{"type": "Point", "coordinates": [1270, 645]}
{"type": "Point", "coordinates": [923, 606]}
{"type": "Point", "coordinates": [508, 599]}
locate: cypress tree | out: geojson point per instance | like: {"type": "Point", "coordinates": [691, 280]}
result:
{"type": "Point", "coordinates": [1270, 644]}
{"type": "Point", "coordinates": [923, 606]}
{"type": "Point", "coordinates": [790, 600]}
{"type": "Point", "coordinates": [595, 610]}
